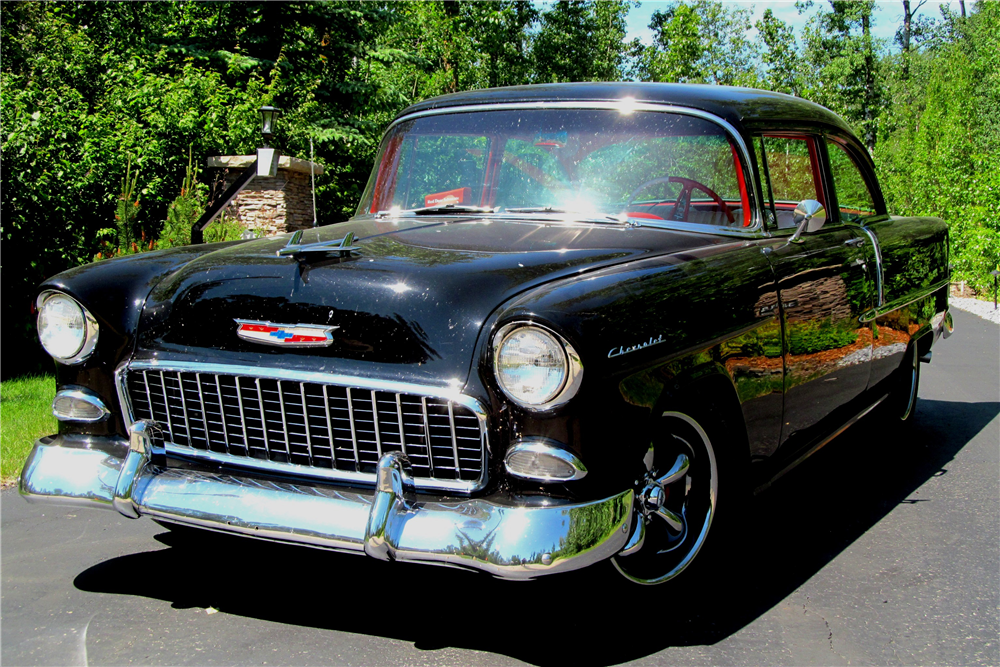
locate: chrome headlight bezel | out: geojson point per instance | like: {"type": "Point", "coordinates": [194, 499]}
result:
{"type": "Point", "coordinates": [90, 329]}
{"type": "Point", "coordinates": [573, 366]}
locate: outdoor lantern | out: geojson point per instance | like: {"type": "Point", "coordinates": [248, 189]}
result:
{"type": "Point", "coordinates": [267, 117]}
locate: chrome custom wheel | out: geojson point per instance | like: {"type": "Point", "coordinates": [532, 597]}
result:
{"type": "Point", "coordinates": [675, 504]}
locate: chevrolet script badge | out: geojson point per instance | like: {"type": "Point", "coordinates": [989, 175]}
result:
{"type": "Point", "coordinates": [285, 335]}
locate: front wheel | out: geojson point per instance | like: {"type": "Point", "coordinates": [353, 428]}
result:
{"type": "Point", "coordinates": [676, 502]}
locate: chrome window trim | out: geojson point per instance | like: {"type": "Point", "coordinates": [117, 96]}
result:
{"type": "Point", "coordinates": [80, 394]}
{"type": "Point", "coordinates": [626, 105]}
{"type": "Point", "coordinates": [90, 335]}
{"type": "Point", "coordinates": [447, 393]}
{"type": "Point", "coordinates": [574, 366]}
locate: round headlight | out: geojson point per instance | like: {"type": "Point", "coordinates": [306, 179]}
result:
{"type": "Point", "coordinates": [67, 331]}
{"type": "Point", "coordinates": [534, 367]}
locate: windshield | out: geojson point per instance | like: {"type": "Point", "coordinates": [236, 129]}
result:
{"type": "Point", "coordinates": [591, 162]}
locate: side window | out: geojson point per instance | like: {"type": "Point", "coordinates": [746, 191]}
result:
{"type": "Point", "coordinates": [789, 169]}
{"type": "Point", "coordinates": [853, 196]}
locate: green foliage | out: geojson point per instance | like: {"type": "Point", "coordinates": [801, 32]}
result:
{"type": "Point", "coordinates": [185, 210]}
{"type": "Point", "coordinates": [582, 41]}
{"type": "Point", "coordinates": [701, 42]}
{"type": "Point", "coordinates": [809, 337]}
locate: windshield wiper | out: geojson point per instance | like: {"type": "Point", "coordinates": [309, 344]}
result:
{"type": "Point", "coordinates": [446, 208]}
{"type": "Point", "coordinates": [555, 209]}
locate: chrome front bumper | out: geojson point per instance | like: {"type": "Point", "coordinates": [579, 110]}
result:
{"type": "Point", "coordinates": [511, 538]}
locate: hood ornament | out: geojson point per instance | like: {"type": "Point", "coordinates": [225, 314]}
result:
{"type": "Point", "coordinates": [285, 335]}
{"type": "Point", "coordinates": [344, 247]}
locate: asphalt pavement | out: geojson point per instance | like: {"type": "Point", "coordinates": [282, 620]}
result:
{"type": "Point", "coordinates": [882, 549]}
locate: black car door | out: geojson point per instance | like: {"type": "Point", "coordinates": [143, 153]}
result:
{"type": "Point", "coordinates": [824, 288]}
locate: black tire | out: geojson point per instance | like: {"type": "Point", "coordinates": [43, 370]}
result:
{"type": "Point", "coordinates": [901, 403]}
{"type": "Point", "coordinates": [707, 499]}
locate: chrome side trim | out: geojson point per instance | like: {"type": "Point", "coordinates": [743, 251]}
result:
{"type": "Point", "coordinates": [819, 445]}
{"type": "Point", "coordinates": [448, 393]}
{"type": "Point", "coordinates": [84, 396]}
{"type": "Point", "coordinates": [545, 447]}
{"type": "Point", "coordinates": [879, 266]}
{"type": "Point", "coordinates": [903, 302]}
{"type": "Point", "coordinates": [628, 105]}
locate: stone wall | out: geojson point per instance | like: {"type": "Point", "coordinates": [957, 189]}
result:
{"type": "Point", "coordinates": [273, 205]}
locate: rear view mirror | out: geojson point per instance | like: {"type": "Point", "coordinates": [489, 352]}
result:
{"type": "Point", "coordinates": [810, 216]}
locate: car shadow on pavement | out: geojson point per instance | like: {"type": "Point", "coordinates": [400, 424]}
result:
{"type": "Point", "coordinates": [591, 617]}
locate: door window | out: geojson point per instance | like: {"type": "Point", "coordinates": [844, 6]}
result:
{"type": "Point", "coordinates": [853, 195]}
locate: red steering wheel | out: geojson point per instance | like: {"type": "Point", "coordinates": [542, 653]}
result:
{"type": "Point", "coordinates": [682, 204]}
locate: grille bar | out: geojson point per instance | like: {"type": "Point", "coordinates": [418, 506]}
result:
{"type": "Point", "coordinates": [303, 425]}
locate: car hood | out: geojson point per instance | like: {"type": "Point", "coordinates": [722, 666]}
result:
{"type": "Point", "coordinates": [408, 304]}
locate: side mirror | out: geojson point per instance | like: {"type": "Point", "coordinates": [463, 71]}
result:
{"type": "Point", "coordinates": [810, 216]}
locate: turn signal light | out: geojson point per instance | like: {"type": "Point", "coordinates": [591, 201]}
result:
{"type": "Point", "coordinates": [543, 461]}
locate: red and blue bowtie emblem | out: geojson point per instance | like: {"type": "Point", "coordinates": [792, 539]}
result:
{"type": "Point", "coordinates": [285, 335]}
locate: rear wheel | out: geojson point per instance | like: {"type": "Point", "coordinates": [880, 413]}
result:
{"type": "Point", "coordinates": [902, 401]}
{"type": "Point", "coordinates": [676, 503]}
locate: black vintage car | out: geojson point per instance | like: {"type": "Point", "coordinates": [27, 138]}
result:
{"type": "Point", "coordinates": [568, 323]}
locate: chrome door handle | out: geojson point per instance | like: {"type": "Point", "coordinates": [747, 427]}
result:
{"type": "Point", "coordinates": [856, 242]}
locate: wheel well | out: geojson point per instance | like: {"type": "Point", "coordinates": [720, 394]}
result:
{"type": "Point", "coordinates": [712, 401]}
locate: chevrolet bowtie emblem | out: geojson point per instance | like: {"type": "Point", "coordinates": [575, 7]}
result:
{"type": "Point", "coordinates": [285, 335]}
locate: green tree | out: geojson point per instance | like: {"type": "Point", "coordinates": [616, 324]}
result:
{"type": "Point", "coordinates": [582, 41]}
{"type": "Point", "coordinates": [780, 56]}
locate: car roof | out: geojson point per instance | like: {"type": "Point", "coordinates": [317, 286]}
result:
{"type": "Point", "coordinates": [740, 107]}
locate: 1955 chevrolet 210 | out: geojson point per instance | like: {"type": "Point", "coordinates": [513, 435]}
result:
{"type": "Point", "coordinates": [567, 324]}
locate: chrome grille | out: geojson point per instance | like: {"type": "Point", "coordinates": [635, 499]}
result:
{"type": "Point", "coordinates": [309, 427]}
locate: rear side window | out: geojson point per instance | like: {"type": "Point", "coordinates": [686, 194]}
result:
{"type": "Point", "coordinates": [789, 169]}
{"type": "Point", "coordinates": [853, 195]}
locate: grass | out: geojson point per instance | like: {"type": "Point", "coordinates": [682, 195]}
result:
{"type": "Point", "coordinates": [25, 416]}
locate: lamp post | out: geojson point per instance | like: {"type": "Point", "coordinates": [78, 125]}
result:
{"type": "Point", "coordinates": [267, 157]}
{"type": "Point", "coordinates": [995, 273]}
{"type": "Point", "coordinates": [266, 164]}
{"type": "Point", "coordinates": [268, 115]}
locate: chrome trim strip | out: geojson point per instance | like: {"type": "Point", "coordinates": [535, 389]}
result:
{"type": "Point", "coordinates": [187, 424]}
{"type": "Point", "coordinates": [243, 414]}
{"type": "Point", "coordinates": [399, 417]}
{"type": "Point", "coordinates": [166, 401]}
{"type": "Point", "coordinates": [880, 267]}
{"type": "Point", "coordinates": [448, 393]}
{"type": "Point", "coordinates": [354, 433]}
{"type": "Point", "coordinates": [84, 396]}
{"type": "Point", "coordinates": [819, 445]}
{"type": "Point", "coordinates": [284, 420]}
{"type": "Point", "coordinates": [454, 438]}
{"type": "Point", "coordinates": [222, 414]}
{"type": "Point", "coordinates": [548, 448]}
{"type": "Point", "coordinates": [903, 302]}
{"type": "Point", "coordinates": [329, 426]}
{"type": "Point", "coordinates": [378, 438]}
{"type": "Point", "coordinates": [204, 415]}
{"type": "Point", "coordinates": [427, 435]}
{"type": "Point", "coordinates": [305, 421]}
{"type": "Point", "coordinates": [263, 417]}
{"type": "Point", "coordinates": [617, 105]}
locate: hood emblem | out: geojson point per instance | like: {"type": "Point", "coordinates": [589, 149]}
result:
{"type": "Point", "coordinates": [285, 335]}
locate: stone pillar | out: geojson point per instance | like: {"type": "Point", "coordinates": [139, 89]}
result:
{"type": "Point", "coordinates": [273, 205]}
